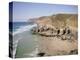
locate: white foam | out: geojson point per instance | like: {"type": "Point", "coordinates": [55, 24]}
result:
{"type": "Point", "coordinates": [15, 43]}
{"type": "Point", "coordinates": [24, 28]}
{"type": "Point", "coordinates": [33, 53]}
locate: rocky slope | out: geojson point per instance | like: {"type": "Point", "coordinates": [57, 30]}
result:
{"type": "Point", "coordinates": [59, 32]}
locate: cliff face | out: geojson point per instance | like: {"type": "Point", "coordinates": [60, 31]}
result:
{"type": "Point", "coordinates": [59, 20]}
{"type": "Point", "coordinates": [59, 32]}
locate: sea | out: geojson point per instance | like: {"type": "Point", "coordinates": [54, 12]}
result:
{"type": "Point", "coordinates": [24, 43]}
{"type": "Point", "coordinates": [17, 25]}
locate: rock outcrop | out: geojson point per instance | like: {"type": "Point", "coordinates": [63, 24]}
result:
{"type": "Point", "coordinates": [59, 32]}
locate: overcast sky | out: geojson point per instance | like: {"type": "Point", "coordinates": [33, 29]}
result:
{"type": "Point", "coordinates": [23, 11]}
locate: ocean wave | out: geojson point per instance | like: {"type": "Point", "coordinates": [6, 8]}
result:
{"type": "Point", "coordinates": [24, 28]}
{"type": "Point", "coordinates": [21, 29]}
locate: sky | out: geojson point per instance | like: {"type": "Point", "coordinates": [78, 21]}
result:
{"type": "Point", "coordinates": [23, 11]}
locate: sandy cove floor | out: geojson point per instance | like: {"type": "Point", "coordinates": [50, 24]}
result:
{"type": "Point", "coordinates": [55, 46]}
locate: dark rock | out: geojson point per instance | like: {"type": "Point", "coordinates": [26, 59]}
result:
{"type": "Point", "coordinates": [58, 31]}
{"type": "Point", "coordinates": [68, 32]}
{"type": "Point", "coordinates": [75, 51]}
{"type": "Point", "coordinates": [64, 31]}
{"type": "Point", "coordinates": [41, 54]}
